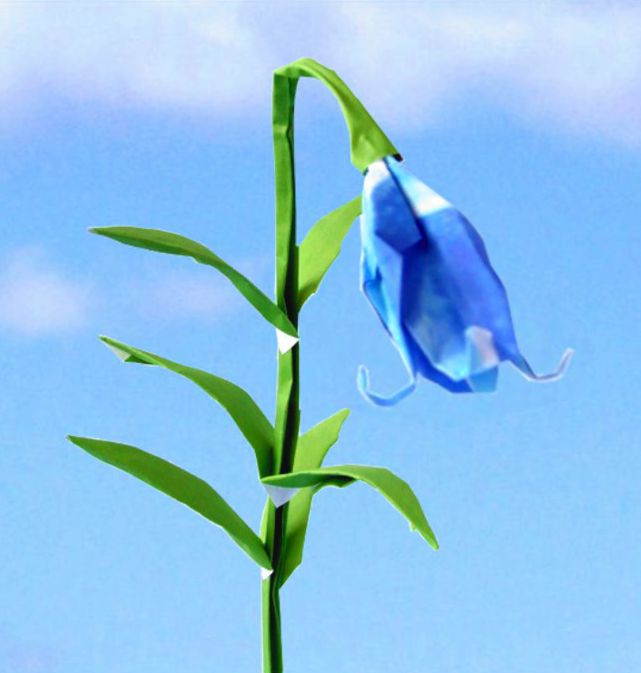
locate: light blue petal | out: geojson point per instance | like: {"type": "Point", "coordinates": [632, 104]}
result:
{"type": "Point", "coordinates": [362, 381]}
{"type": "Point", "coordinates": [427, 274]}
{"type": "Point", "coordinates": [524, 367]}
{"type": "Point", "coordinates": [485, 382]}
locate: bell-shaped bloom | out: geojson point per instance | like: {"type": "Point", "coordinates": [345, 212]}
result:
{"type": "Point", "coordinates": [427, 275]}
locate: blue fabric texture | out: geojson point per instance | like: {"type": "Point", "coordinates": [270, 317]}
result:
{"type": "Point", "coordinates": [425, 271]}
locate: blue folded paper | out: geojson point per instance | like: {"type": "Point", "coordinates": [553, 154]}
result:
{"type": "Point", "coordinates": [425, 270]}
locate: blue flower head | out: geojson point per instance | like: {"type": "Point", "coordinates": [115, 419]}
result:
{"type": "Point", "coordinates": [427, 275]}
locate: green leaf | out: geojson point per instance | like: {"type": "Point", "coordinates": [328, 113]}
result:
{"type": "Point", "coordinates": [322, 245]}
{"type": "Point", "coordinates": [180, 485]}
{"type": "Point", "coordinates": [394, 489]}
{"type": "Point", "coordinates": [175, 244]}
{"type": "Point", "coordinates": [310, 453]}
{"type": "Point", "coordinates": [247, 415]}
{"type": "Point", "coordinates": [315, 443]}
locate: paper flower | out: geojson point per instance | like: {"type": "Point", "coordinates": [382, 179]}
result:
{"type": "Point", "coordinates": [427, 275]}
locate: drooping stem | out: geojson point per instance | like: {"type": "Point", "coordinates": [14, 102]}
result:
{"type": "Point", "coordinates": [368, 143]}
{"type": "Point", "coordinates": [287, 399]}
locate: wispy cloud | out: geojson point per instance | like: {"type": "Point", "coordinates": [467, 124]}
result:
{"type": "Point", "coordinates": [569, 65]}
{"type": "Point", "coordinates": [189, 294]}
{"type": "Point", "coordinates": [38, 299]}
{"type": "Point", "coordinates": [185, 296]}
{"type": "Point", "coordinates": [160, 53]}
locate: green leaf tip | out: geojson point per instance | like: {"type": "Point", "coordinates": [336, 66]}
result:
{"type": "Point", "coordinates": [180, 485]}
{"type": "Point", "coordinates": [314, 444]}
{"type": "Point", "coordinates": [120, 353]}
{"type": "Point", "coordinates": [322, 246]}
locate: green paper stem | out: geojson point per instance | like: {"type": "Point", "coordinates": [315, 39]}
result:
{"type": "Point", "coordinates": [368, 143]}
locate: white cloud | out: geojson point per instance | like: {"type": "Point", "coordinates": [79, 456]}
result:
{"type": "Point", "coordinates": [200, 293]}
{"type": "Point", "coordinates": [179, 296]}
{"type": "Point", "coordinates": [573, 65]}
{"type": "Point", "coordinates": [157, 52]}
{"type": "Point", "coordinates": [569, 65]}
{"type": "Point", "coordinates": [36, 299]}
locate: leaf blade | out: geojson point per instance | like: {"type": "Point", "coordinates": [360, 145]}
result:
{"type": "Point", "coordinates": [180, 485]}
{"type": "Point", "coordinates": [170, 243]}
{"type": "Point", "coordinates": [247, 415]}
{"type": "Point", "coordinates": [322, 245]}
{"type": "Point", "coordinates": [312, 448]}
{"type": "Point", "coordinates": [314, 444]}
{"type": "Point", "coordinates": [392, 488]}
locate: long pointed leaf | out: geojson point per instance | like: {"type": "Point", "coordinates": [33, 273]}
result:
{"type": "Point", "coordinates": [321, 246]}
{"type": "Point", "coordinates": [180, 485]}
{"type": "Point", "coordinates": [175, 244]}
{"type": "Point", "coordinates": [394, 489]}
{"type": "Point", "coordinates": [316, 442]}
{"type": "Point", "coordinates": [312, 449]}
{"type": "Point", "coordinates": [247, 415]}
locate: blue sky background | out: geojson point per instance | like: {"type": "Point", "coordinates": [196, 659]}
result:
{"type": "Point", "coordinates": [158, 114]}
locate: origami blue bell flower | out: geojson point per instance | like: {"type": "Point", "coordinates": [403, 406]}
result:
{"type": "Point", "coordinates": [425, 271]}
